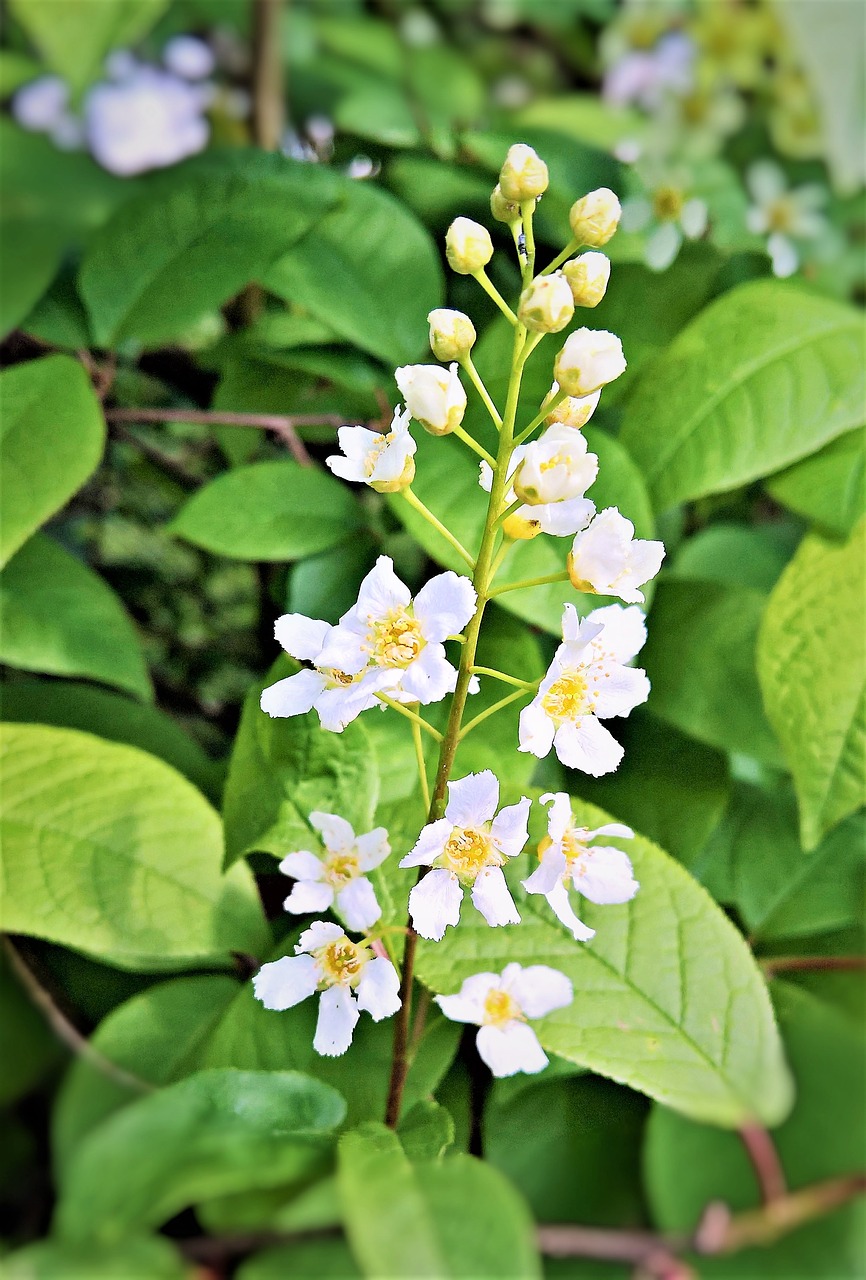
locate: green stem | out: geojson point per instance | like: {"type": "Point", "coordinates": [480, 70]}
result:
{"type": "Point", "coordinates": [417, 720]}
{"type": "Point", "coordinates": [501, 675]}
{"type": "Point", "coordinates": [562, 576]}
{"type": "Point", "coordinates": [474, 445]}
{"type": "Point", "coordinates": [543, 412]}
{"type": "Point", "coordinates": [527, 209]}
{"type": "Point", "coordinates": [414, 501]}
{"type": "Point", "coordinates": [562, 257]}
{"type": "Point", "coordinates": [422, 767]}
{"type": "Point", "coordinates": [509, 511]}
{"type": "Point", "coordinates": [492, 292]}
{"type": "Point", "coordinates": [466, 363]}
{"type": "Point", "coordinates": [497, 706]}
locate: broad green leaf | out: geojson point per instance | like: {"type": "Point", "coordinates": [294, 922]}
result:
{"type": "Point", "coordinates": [193, 238]}
{"type": "Point", "coordinates": [30, 254]}
{"type": "Point", "coordinates": [368, 269]}
{"type": "Point", "coordinates": [62, 618]}
{"type": "Point", "coordinates": [426, 1131]}
{"type": "Point", "coordinates": [754, 862]}
{"type": "Point", "coordinates": [217, 1132]}
{"type": "Point", "coordinates": [822, 1138]}
{"type": "Point", "coordinates": [135, 1258]}
{"type": "Point", "coordinates": [810, 666]}
{"type": "Point", "coordinates": [763, 377]}
{"type": "Point", "coordinates": [269, 511]}
{"type": "Point", "coordinates": [109, 851]}
{"type": "Point", "coordinates": [75, 35]}
{"type": "Point", "coordinates": [738, 554]}
{"type": "Point", "coordinates": [50, 442]}
{"type": "Point", "coordinates": [455, 1217]}
{"type": "Point", "coordinates": [700, 658]}
{"type": "Point", "coordinates": [586, 118]}
{"type": "Point", "coordinates": [16, 69]}
{"type": "Point", "coordinates": [281, 770]}
{"type": "Point", "coordinates": [829, 487]}
{"type": "Point", "coordinates": [307, 1260]}
{"type": "Point", "coordinates": [668, 998]}
{"type": "Point", "coordinates": [326, 585]}
{"type": "Point", "coordinates": [33, 1048]}
{"type": "Point", "coordinates": [71, 705]}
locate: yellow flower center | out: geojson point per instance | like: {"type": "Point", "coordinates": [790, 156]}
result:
{"type": "Point", "coordinates": [377, 448]}
{"type": "Point", "coordinates": [558, 460]}
{"type": "Point", "coordinates": [668, 204]}
{"type": "Point", "coordinates": [340, 868]}
{"type": "Point", "coordinates": [342, 962]}
{"type": "Point", "coordinates": [568, 697]}
{"type": "Point", "coordinates": [574, 848]}
{"type": "Point", "coordinates": [396, 639]}
{"type": "Point", "coordinates": [468, 851]}
{"type": "Point", "coordinates": [499, 1008]}
{"type": "Point", "coordinates": [781, 214]}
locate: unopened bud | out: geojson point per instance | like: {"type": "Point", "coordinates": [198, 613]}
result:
{"type": "Point", "coordinates": [524, 174]}
{"type": "Point", "coordinates": [468, 246]}
{"type": "Point", "coordinates": [573, 411]}
{"type": "Point", "coordinates": [452, 334]}
{"type": "Point", "coordinates": [521, 527]}
{"type": "Point", "coordinates": [434, 396]}
{"type": "Point", "coordinates": [595, 217]}
{"type": "Point", "coordinates": [588, 276]}
{"type": "Point", "coordinates": [546, 304]}
{"type": "Point", "coordinates": [590, 359]}
{"type": "Point", "coordinates": [503, 210]}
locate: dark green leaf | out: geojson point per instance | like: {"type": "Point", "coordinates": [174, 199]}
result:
{"type": "Point", "coordinates": [75, 36]}
{"type": "Point", "coordinates": [135, 1258]}
{"type": "Point", "coordinates": [829, 487]}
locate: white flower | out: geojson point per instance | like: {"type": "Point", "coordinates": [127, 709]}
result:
{"type": "Point", "coordinates": [785, 215]}
{"type": "Point", "coordinates": [561, 519]}
{"type": "Point", "coordinates": [383, 461]}
{"type": "Point", "coordinates": [387, 632]}
{"type": "Point", "coordinates": [602, 874]}
{"type": "Point", "coordinates": [589, 360]}
{"type": "Point", "coordinates": [587, 682]}
{"type": "Point", "coordinates": [668, 214]}
{"type": "Point", "coordinates": [189, 57]}
{"type": "Point", "coordinates": [148, 121]}
{"type": "Point", "coordinates": [467, 848]}
{"type": "Point", "coordinates": [500, 1005]}
{"type": "Point", "coordinates": [337, 880]}
{"type": "Point", "coordinates": [337, 696]}
{"type": "Point", "coordinates": [595, 217]}
{"type": "Point", "coordinates": [573, 411]}
{"type": "Point", "coordinates": [546, 304]}
{"type": "Point", "coordinates": [647, 76]}
{"type": "Point", "coordinates": [41, 104]}
{"type": "Point", "coordinates": [556, 467]}
{"type": "Point", "coordinates": [433, 395]}
{"type": "Point", "coordinates": [348, 974]}
{"type": "Point", "coordinates": [587, 277]}
{"type": "Point", "coordinates": [608, 560]}
{"type": "Point", "coordinates": [468, 246]}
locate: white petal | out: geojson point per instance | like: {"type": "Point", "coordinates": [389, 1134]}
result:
{"type": "Point", "coordinates": [429, 845]}
{"type": "Point", "coordinates": [607, 875]}
{"type": "Point", "coordinates": [344, 649]}
{"type": "Point", "coordinates": [783, 254]}
{"type": "Point", "coordinates": [300, 636]}
{"type": "Point", "coordinates": [431, 677]}
{"type": "Point", "coordinates": [492, 897]}
{"type": "Point", "coordinates": [549, 872]}
{"type": "Point", "coordinates": [319, 934]}
{"type": "Point", "coordinates": [373, 848]}
{"type": "Point", "coordinates": [560, 904]}
{"type": "Point", "coordinates": [309, 897]}
{"type": "Point", "coordinates": [302, 865]}
{"type": "Point", "coordinates": [338, 1014]}
{"type": "Point", "coordinates": [337, 707]}
{"type": "Point", "coordinates": [337, 835]}
{"type": "Point", "coordinates": [467, 1005]}
{"type": "Point", "coordinates": [472, 800]}
{"type": "Point", "coordinates": [662, 246]}
{"type": "Point", "coordinates": [485, 476]}
{"type": "Point", "coordinates": [434, 903]}
{"type": "Point", "coordinates": [509, 830]}
{"type": "Point", "coordinates": [357, 905]}
{"type": "Point", "coordinates": [620, 691]}
{"type": "Point", "coordinates": [561, 519]}
{"type": "Point", "coordinates": [444, 606]}
{"type": "Point", "coordinates": [539, 990]}
{"type": "Point", "coordinates": [294, 696]}
{"type": "Point", "coordinates": [381, 590]}
{"type": "Point", "coordinates": [378, 991]}
{"type": "Point", "coordinates": [624, 633]}
{"type": "Point", "coordinates": [510, 1049]}
{"type": "Point", "coordinates": [351, 469]}
{"type": "Point", "coordinates": [559, 816]}
{"type": "Point", "coordinates": [536, 730]}
{"type": "Point", "coordinates": [588, 746]}
{"type": "Point", "coordinates": [694, 217]}
{"type": "Point", "coordinates": [612, 829]}
{"type": "Point", "coordinates": [286, 982]}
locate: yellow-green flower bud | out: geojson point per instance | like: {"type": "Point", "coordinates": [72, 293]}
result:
{"type": "Point", "coordinates": [503, 210]}
{"type": "Point", "coordinates": [590, 359]}
{"type": "Point", "coordinates": [546, 304]}
{"type": "Point", "coordinates": [524, 175]}
{"type": "Point", "coordinates": [595, 217]}
{"type": "Point", "coordinates": [588, 276]}
{"type": "Point", "coordinates": [573, 411]}
{"type": "Point", "coordinates": [452, 334]}
{"type": "Point", "coordinates": [520, 527]}
{"type": "Point", "coordinates": [468, 246]}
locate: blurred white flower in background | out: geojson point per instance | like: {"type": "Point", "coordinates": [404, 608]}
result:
{"type": "Point", "coordinates": [784, 214]}
{"type": "Point", "coordinates": [644, 77]}
{"type": "Point", "coordinates": [42, 106]}
{"type": "Point", "coordinates": [668, 213]}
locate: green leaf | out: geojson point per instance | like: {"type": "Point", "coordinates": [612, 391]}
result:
{"type": "Point", "coordinates": [50, 442]}
{"type": "Point", "coordinates": [812, 679]}
{"type": "Point", "coordinates": [738, 554]}
{"type": "Point", "coordinates": [111, 852]}
{"type": "Point", "coordinates": [457, 1217]}
{"type": "Point", "coordinates": [426, 1131]}
{"type": "Point", "coordinates": [16, 69]}
{"type": "Point", "coordinates": [369, 269]}
{"type": "Point", "coordinates": [269, 511]}
{"type": "Point", "coordinates": [307, 1260]}
{"type": "Point", "coordinates": [62, 618]}
{"type": "Point", "coordinates": [700, 658]}
{"type": "Point", "coordinates": [75, 35]}
{"type": "Point", "coordinates": [30, 254]}
{"type": "Point", "coordinates": [764, 376]}
{"type": "Point", "coordinates": [754, 861]}
{"type": "Point", "coordinates": [326, 585]}
{"type": "Point", "coordinates": [667, 996]}
{"type": "Point", "coordinates": [829, 487]}
{"type": "Point", "coordinates": [823, 1138]}
{"type": "Point", "coordinates": [135, 1258]}
{"type": "Point", "coordinates": [281, 770]}
{"type": "Point", "coordinates": [193, 238]}
{"type": "Point", "coordinates": [215, 1133]}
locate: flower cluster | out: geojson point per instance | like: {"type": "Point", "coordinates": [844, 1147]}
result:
{"type": "Point", "coordinates": [389, 649]}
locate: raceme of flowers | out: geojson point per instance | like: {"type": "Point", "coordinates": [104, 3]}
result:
{"type": "Point", "coordinates": [389, 649]}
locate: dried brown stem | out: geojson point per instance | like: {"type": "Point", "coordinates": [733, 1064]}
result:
{"type": "Point", "coordinates": [761, 1150]}
{"type": "Point", "coordinates": [283, 425]}
{"type": "Point", "coordinates": [772, 965]}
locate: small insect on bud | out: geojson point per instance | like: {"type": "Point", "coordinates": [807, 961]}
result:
{"type": "Point", "coordinates": [595, 217]}
{"type": "Point", "coordinates": [452, 334]}
{"type": "Point", "coordinates": [468, 246]}
{"type": "Point", "coordinates": [503, 210]}
{"type": "Point", "coordinates": [588, 276]}
{"type": "Point", "coordinates": [546, 304]}
{"type": "Point", "coordinates": [524, 175]}
{"type": "Point", "coordinates": [590, 359]}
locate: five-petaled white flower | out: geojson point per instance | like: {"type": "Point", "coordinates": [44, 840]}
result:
{"type": "Point", "coordinates": [337, 879]}
{"type": "Point", "coordinates": [383, 460]}
{"type": "Point", "coordinates": [500, 1005]}
{"type": "Point", "coordinates": [787, 216]}
{"type": "Point", "coordinates": [348, 974]}
{"type": "Point", "coordinates": [587, 682]}
{"type": "Point", "coordinates": [561, 518]}
{"type": "Point", "coordinates": [338, 696]}
{"type": "Point", "coordinates": [467, 847]}
{"type": "Point", "coordinates": [555, 468]}
{"type": "Point", "coordinates": [602, 873]}
{"type": "Point", "coordinates": [606, 558]}
{"type": "Point", "coordinates": [389, 632]}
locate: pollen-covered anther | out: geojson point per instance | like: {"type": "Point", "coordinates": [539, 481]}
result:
{"type": "Point", "coordinates": [341, 869]}
{"type": "Point", "coordinates": [342, 962]}
{"type": "Point", "coordinates": [567, 697]}
{"type": "Point", "coordinates": [396, 639]}
{"type": "Point", "coordinates": [500, 1008]}
{"type": "Point", "coordinates": [468, 851]}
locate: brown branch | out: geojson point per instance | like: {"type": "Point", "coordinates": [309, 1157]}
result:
{"type": "Point", "coordinates": [268, 86]}
{"type": "Point", "coordinates": [762, 1152]}
{"type": "Point", "coordinates": [772, 965]}
{"type": "Point", "coordinates": [283, 425]}
{"type": "Point", "coordinates": [65, 1031]}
